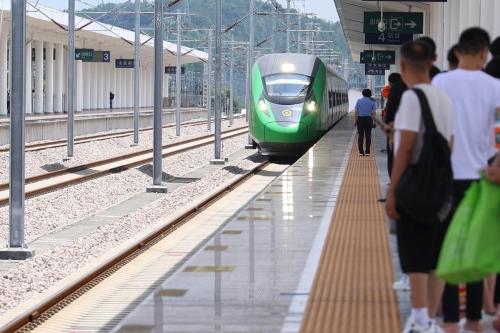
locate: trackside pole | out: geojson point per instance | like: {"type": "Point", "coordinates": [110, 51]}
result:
{"type": "Point", "coordinates": [178, 78]}
{"type": "Point", "coordinates": [137, 67]}
{"type": "Point", "coordinates": [209, 83]}
{"type": "Point", "coordinates": [71, 76]}
{"type": "Point", "coordinates": [249, 69]}
{"type": "Point", "coordinates": [218, 71]}
{"type": "Point", "coordinates": [16, 249]}
{"type": "Point", "coordinates": [231, 85]}
{"type": "Point", "coordinates": [157, 108]}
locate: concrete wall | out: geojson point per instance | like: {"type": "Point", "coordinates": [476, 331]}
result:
{"type": "Point", "coordinates": [55, 130]}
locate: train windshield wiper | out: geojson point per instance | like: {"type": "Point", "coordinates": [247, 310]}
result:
{"type": "Point", "coordinates": [303, 90]}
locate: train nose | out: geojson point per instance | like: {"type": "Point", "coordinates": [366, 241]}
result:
{"type": "Point", "coordinates": [284, 132]}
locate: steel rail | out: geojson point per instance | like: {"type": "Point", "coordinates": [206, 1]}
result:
{"type": "Point", "coordinates": [205, 140]}
{"type": "Point", "coordinates": [52, 305]}
{"type": "Point", "coordinates": [96, 137]}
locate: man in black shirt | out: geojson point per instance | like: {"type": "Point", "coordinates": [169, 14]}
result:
{"type": "Point", "coordinates": [493, 67]}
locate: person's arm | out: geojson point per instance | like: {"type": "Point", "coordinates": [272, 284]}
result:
{"type": "Point", "coordinates": [355, 117]}
{"type": "Point", "coordinates": [401, 162]}
{"type": "Point", "coordinates": [493, 171]}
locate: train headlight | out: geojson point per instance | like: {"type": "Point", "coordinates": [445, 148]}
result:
{"type": "Point", "coordinates": [262, 105]}
{"type": "Point", "coordinates": [312, 106]}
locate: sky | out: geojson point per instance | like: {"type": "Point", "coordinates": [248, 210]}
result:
{"type": "Point", "coordinates": [324, 8]}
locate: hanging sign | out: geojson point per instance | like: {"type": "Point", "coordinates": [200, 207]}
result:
{"type": "Point", "coordinates": [124, 63]}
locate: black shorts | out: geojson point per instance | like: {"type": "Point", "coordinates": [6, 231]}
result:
{"type": "Point", "coordinates": [418, 245]}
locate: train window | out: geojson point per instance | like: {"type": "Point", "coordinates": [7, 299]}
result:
{"type": "Point", "coordinates": [287, 85]}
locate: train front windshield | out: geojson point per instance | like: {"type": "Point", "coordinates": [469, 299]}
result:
{"type": "Point", "coordinates": [287, 85]}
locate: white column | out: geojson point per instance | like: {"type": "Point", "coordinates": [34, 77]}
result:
{"type": "Point", "coordinates": [474, 13]}
{"type": "Point", "coordinates": [118, 93]}
{"type": "Point", "coordinates": [106, 85]}
{"type": "Point", "coordinates": [79, 85]}
{"type": "Point", "coordinates": [38, 76]}
{"type": "Point", "coordinates": [93, 85]}
{"type": "Point", "coordinates": [141, 87]}
{"type": "Point", "coordinates": [447, 28]}
{"type": "Point", "coordinates": [58, 77]}
{"type": "Point", "coordinates": [442, 53]}
{"type": "Point", "coordinates": [100, 85]}
{"type": "Point", "coordinates": [487, 15]}
{"type": "Point", "coordinates": [28, 77]}
{"type": "Point", "coordinates": [151, 85]}
{"type": "Point", "coordinates": [49, 77]}
{"type": "Point", "coordinates": [123, 93]}
{"type": "Point", "coordinates": [86, 85]}
{"type": "Point", "coordinates": [455, 24]}
{"type": "Point", "coordinates": [3, 74]}
{"type": "Point", "coordinates": [112, 81]}
{"type": "Point", "coordinates": [496, 22]}
{"type": "Point", "coordinates": [463, 18]}
{"type": "Point", "coordinates": [130, 88]}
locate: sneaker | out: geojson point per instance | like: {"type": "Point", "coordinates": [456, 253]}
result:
{"type": "Point", "coordinates": [412, 327]}
{"type": "Point", "coordinates": [367, 154]}
{"type": "Point", "coordinates": [487, 318]}
{"type": "Point", "coordinates": [361, 155]}
{"type": "Point", "coordinates": [402, 284]}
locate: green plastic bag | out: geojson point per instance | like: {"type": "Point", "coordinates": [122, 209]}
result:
{"type": "Point", "coordinates": [471, 248]}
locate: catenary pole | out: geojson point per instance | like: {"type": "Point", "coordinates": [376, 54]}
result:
{"type": "Point", "coordinates": [178, 78]}
{"type": "Point", "coordinates": [288, 26]}
{"type": "Point", "coordinates": [158, 92]}
{"type": "Point", "coordinates": [273, 23]}
{"type": "Point", "coordinates": [218, 77]}
{"type": "Point", "coordinates": [16, 249]}
{"type": "Point", "coordinates": [231, 85]}
{"type": "Point", "coordinates": [250, 58]}
{"type": "Point", "coordinates": [71, 75]}
{"type": "Point", "coordinates": [209, 82]}
{"type": "Point", "coordinates": [298, 34]}
{"type": "Point", "coordinates": [137, 67]}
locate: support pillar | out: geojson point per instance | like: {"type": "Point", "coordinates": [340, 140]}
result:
{"type": "Point", "coordinates": [86, 86]}
{"type": "Point", "coordinates": [130, 88]}
{"type": "Point", "coordinates": [496, 24]}
{"type": "Point", "coordinates": [118, 87]}
{"type": "Point", "coordinates": [93, 85]}
{"type": "Point", "coordinates": [58, 78]}
{"type": "Point", "coordinates": [39, 77]}
{"type": "Point", "coordinates": [100, 85]}
{"type": "Point", "coordinates": [455, 24]}
{"type": "Point", "coordinates": [442, 53]}
{"type": "Point", "coordinates": [112, 82]}
{"type": "Point", "coordinates": [49, 77]}
{"type": "Point", "coordinates": [447, 41]}
{"type": "Point", "coordinates": [106, 84]}
{"type": "Point", "coordinates": [3, 73]}
{"type": "Point", "coordinates": [79, 86]}
{"type": "Point", "coordinates": [28, 78]}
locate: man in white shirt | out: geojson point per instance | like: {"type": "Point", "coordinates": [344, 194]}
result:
{"type": "Point", "coordinates": [476, 98]}
{"type": "Point", "coordinates": [418, 244]}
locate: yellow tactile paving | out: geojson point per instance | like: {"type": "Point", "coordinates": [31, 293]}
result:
{"type": "Point", "coordinates": [352, 289]}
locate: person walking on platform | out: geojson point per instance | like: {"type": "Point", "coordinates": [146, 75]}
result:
{"type": "Point", "coordinates": [111, 98]}
{"type": "Point", "coordinates": [363, 111]}
{"type": "Point", "coordinates": [8, 103]}
{"type": "Point", "coordinates": [418, 245]}
{"type": "Point", "coordinates": [476, 97]}
{"type": "Point", "coordinates": [452, 58]}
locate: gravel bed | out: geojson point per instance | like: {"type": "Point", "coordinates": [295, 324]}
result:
{"type": "Point", "coordinates": [48, 160]}
{"type": "Point", "coordinates": [33, 276]}
{"type": "Point", "coordinates": [47, 213]}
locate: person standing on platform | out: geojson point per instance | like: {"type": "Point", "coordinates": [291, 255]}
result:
{"type": "Point", "coordinates": [8, 103]}
{"type": "Point", "coordinates": [493, 67]}
{"type": "Point", "coordinates": [417, 241]}
{"type": "Point", "coordinates": [452, 58]}
{"type": "Point", "coordinates": [476, 97]}
{"type": "Point", "coordinates": [111, 98]}
{"type": "Point", "coordinates": [363, 111]}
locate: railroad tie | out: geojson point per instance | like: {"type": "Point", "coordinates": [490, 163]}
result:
{"type": "Point", "coordinates": [352, 290]}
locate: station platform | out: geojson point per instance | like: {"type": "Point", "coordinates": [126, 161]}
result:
{"type": "Point", "coordinates": [308, 253]}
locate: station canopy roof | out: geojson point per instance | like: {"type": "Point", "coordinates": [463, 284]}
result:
{"type": "Point", "coordinates": [49, 25]}
{"type": "Point", "coordinates": [351, 17]}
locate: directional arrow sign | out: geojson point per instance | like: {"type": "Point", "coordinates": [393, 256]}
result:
{"type": "Point", "coordinates": [84, 54]}
{"type": "Point", "coordinates": [395, 22]}
{"type": "Point", "coordinates": [378, 57]}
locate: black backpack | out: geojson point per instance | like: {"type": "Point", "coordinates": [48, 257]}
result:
{"type": "Point", "coordinates": [424, 192]}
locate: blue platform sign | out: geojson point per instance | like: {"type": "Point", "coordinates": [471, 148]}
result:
{"type": "Point", "coordinates": [124, 63]}
{"type": "Point", "coordinates": [106, 56]}
{"type": "Point", "coordinates": [388, 38]}
{"type": "Point", "coordinates": [374, 71]}
{"type": "Point", "coordinates": [173, 70]}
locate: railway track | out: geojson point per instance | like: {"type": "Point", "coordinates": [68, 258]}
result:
{"type": "Point", "coordinates": [97, 137]}
{"type": "Point", "coordinates": [53, 180]}
{"type": "Point", "coordinates": [49, 307]}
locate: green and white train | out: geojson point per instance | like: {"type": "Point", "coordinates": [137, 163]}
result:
{"type": "Point", "coordinates": [296, 99]}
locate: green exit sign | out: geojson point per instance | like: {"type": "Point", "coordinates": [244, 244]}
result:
{"type": "Point", "coordinates": [377, 57]}
{"type": "Point", "coordinates": [84, 54]}
{"type": "Point", "coordinates": [395, 22]}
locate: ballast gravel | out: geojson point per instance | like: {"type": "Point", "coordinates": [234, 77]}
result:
{"type": "Point", "coordinates": [34, 275]}
{"type": "Point", "coordinates": [48, 160]}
